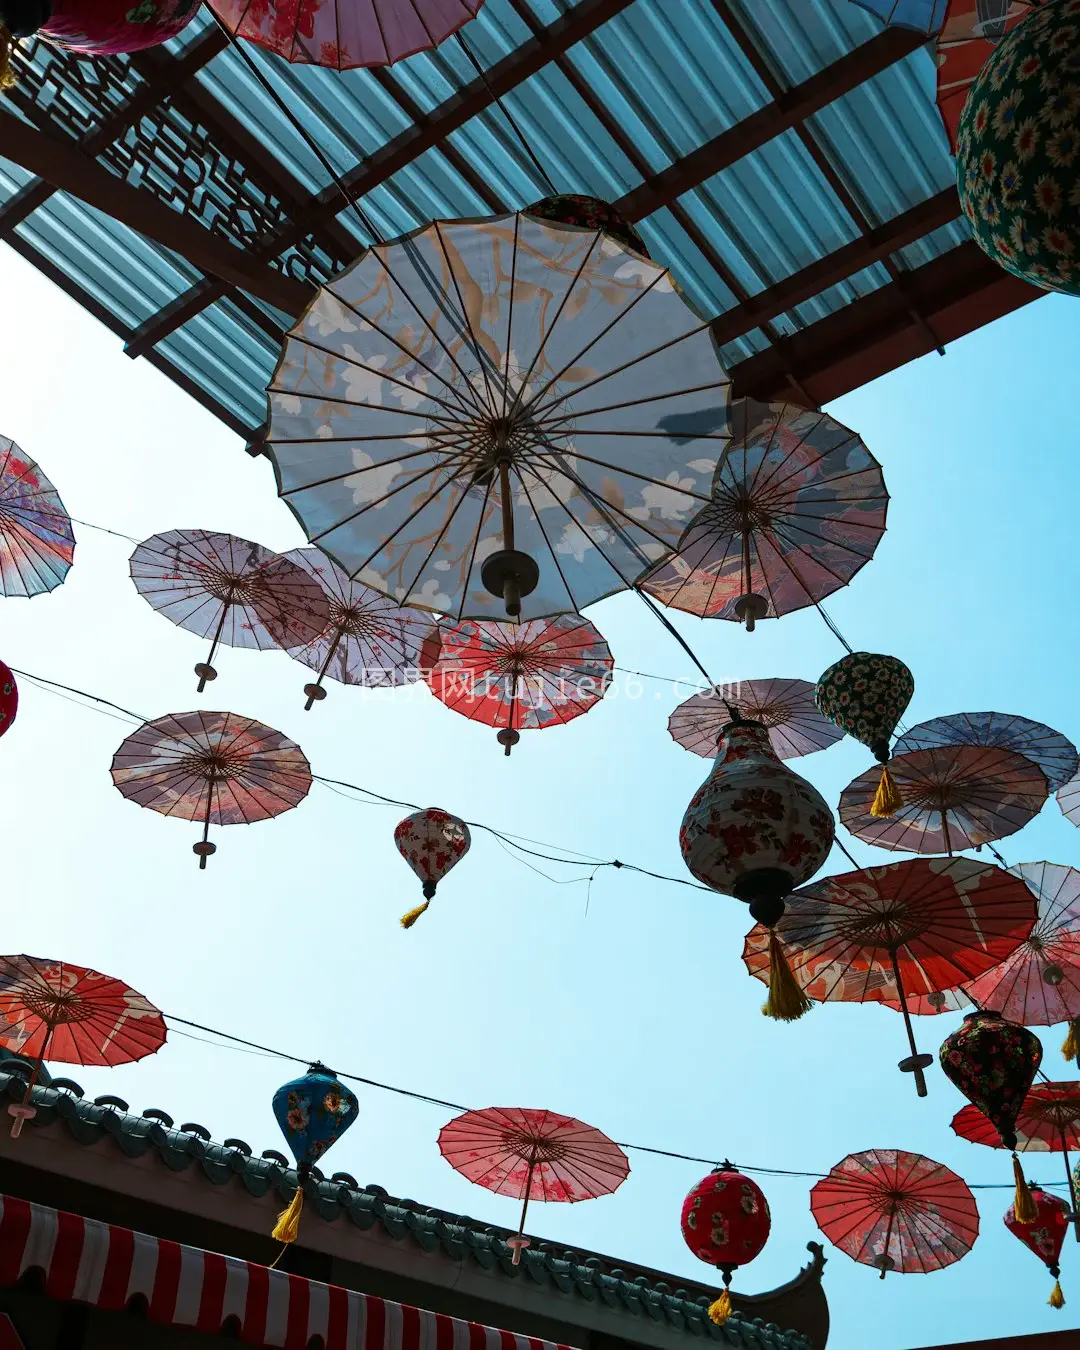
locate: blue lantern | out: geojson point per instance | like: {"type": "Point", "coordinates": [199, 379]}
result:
{"type": "Point", "coordinates": [314, 1112]}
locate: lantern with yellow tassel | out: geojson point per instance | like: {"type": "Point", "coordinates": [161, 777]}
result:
{"type": "Point", "coordinates": [1045, 1234]}
{"type": "Point", "coordinates": [725, 1222]}
{"type": "Point", "coordinates": [865, 695]}
{"type": "Point", "coordinates": [314, 1112]}
{"type": "Point", "coordinates": [994, 1063]}
{"type": "Point", "coordinates": [431, 842]}
{"type": "Point", "coordinates": [756, 830]}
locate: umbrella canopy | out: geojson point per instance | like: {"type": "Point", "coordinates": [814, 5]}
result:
{"type": "Point", "coordinates": [1049, 1121]}
{"type": "Point", "coordinates": [345, 34]}
{"type": "Point", "coordinates": [967, 37]}
{"type": "Point", "coordinates": [930, 1005]}
{"type": "Point", "coordinates": [533, 1155]}
{"type": "Point", "coordinates": [1068, 798]}
{"type": "Point", "coordinates": [368, 640]}
{"type": "Point", "coordinates": [1049, 749]}
{"type": "Point", "coordinates": [505, 415]}
{"type": "Point", "coordinates": [214, 767]}
{"type": "Point", "coordinates": [952, 797]}
{"type": "Point", "coordinates": [798, 506]}
{"type": "Point", "coordinates": [896, 1211]}
{"type": "Point", "coordinates": [230, 590]}
{"type": "Point", "coordinates": [785, 707]}
{"type": "Point", "coordinates": [37, 543]}
{"type": "Point", "coordinates": [520, 677]}
{"type": "Point", "coordinates": [924, 16]}
{"type": "Point", "coordinates": [911, 928]}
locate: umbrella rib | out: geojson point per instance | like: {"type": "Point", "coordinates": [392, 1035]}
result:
{"type": "Point", "coordinates": [481, 355]}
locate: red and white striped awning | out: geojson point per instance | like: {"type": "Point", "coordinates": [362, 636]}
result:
{"type": "Point", "coordinates": [84, 1261]}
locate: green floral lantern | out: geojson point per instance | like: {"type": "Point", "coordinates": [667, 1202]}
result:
{"type": "Point", "coordinates": [1018, 150]}
{"type": "Point", "coordinates": [865, 695]}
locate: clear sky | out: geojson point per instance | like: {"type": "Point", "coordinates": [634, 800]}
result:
{"type": "Point", "coordinates": [632, 1012]}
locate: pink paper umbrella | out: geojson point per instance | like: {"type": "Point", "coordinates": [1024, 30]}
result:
{"type": "Point", "coordinates": [533, 1155]}
{"type": "Point", "coordinates": [785, 707]}
{"type": "Point", "coordinates": [345, 34]}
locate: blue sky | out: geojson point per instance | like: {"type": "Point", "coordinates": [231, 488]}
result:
{"type": "Point", "coordinates": [634, 1013]}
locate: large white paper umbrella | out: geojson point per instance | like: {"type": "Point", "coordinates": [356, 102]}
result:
{"type": "Point", "coordinates": [498, 416]}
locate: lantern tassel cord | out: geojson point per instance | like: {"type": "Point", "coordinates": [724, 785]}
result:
{"type": "Point", "coordinates": [287, 1228]}
{"type": "Point", "coordinates": [720, 1310]}
{"type": "Point", "coordinates": [1070, 1046]}
{"type": "Point", "coordinates": [408, 919]}
{"type": "Point", "coordinates": [786, 1002]}
{"type": "Point", "coordinates": [1024, 1207]}
{"type": "Point", "coordinates": [887, 801]}
{"type": "Point", "coordinates": [1057, 1298]}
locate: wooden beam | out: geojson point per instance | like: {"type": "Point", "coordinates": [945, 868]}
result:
{"type": "Point", "coordinates": [776, 117]}
{"type": "Point", "coordinates": [65, 166]}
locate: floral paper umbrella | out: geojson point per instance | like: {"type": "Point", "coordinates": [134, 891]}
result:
{"type": "Point", "coordinates": [1049, 749]}
{"type": "Point", "coordinates": [785, 707]}
{"type": "Point", "coordinates": [345, 34]}
{"type": "Point", "coordinates": [533, 1155]}
{"type": "Point", "coordinates": [57, 1011]}
{"type": "Point", "coordinates": [967, 38]}
{"type": "Point", "coordinates": [798, 506]}
{"type": "Point", "coordinates": [952, 797]}
{"type": "Point", "coordinates": [911, 928]}
{"type": "Point", "coordinates": [229, 590]}
{"type": "Point", "coordinates": [520, 677]}
{"type": "Point", "coordinates": [212, 767]}
{"type": "Point", "coordinates": [896, 1211]}
{"type": "Point", "coordinates": [368, 640]}
{"type": "Point", "coordinates": [505, 416]}
{"type": "Point", "coordinates": [37, 543]}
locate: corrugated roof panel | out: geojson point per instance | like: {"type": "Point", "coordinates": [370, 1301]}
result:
{"type": "Point", "coordinates": [228, 356]}
{"type": "Point", "coordinates": [803, 38]}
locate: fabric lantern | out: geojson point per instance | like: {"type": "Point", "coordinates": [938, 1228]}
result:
{"type": "Point", "coordinates": [431, 842]}
{"type": "Point", "coordinates": [994, 1063]}
{"type": "Point", "coordinates": [1045, 1234]}
{"type": "Point", "coordinates": [591, 213]}
{"type": "Point", "coordinates": [313, 1112]}
{"type": "Point", "coordinates": [865, 694]}
{"type": "Point", "coordinates": [756, 830]}
{"type": "Point", "coordinates": [725, 1222]}
{"type": "Point", "coordinates": [9, 699]}
{"type": "Point", "coordinates": [1018, 149]}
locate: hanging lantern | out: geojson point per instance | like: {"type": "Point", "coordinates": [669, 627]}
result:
{"type": "Point", "coordinates": [9, 699]}
{"type": "Point", "coordinates": [1045, 1234]}
{"type": "Point", "coordinates": [1018, 147]}
{"type": "Point", "coordinates": [431, 842]}
{"type": "Point", "coordinates": [994, 1063]}
{"type": "Point", "coordinates": [756, 830]}
{"type": "Point", "coordinates": [725, 1222]}
{"type": "Point", "coordinates": [591, 213]}
{"type": "Point", "coordinates": [865, 694]}
{"type": "Point", "coordinates": [314, 1112]}
{"type": "Point", "coordinates": [96, 27]}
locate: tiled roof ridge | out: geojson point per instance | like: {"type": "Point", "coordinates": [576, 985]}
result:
{"type": "Point", "coordinates": [636, 1290]}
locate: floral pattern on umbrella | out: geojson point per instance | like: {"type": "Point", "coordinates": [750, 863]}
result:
{"type": "Point", "coordinates": [798, 507]}
{"type": "Point", "coordinates": [785, 707]}
{"type": "Point", "coordinates": [345, 36]}
{"type": "Point", "coordinates": [1048, 1121]}
{"type": "Point", "coordinates": [896, 1211]}
{"type": "Point", "coordinates": [952, 797]}
{"type": "Point", "coordinates": [971, 30]}
{"type": "Point", "coordinates": [1049, 749]}
{"type": "Point", "coordinates": [498, 413]}
{"type": "Point", "coordinates": [37, 543]}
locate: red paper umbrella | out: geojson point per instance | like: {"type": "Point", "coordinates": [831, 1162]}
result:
{"type": "Point", "coordinates": [967, 37]}
{"type": "Point", "coordinates": [953, 797]}
{"type": "Point", "coordinates": [906, 929]}
{"type": "Point", "coordinates": [214, 767]}
{"type": "Point", "coordinates": [345, 34]}
{"type": "Point", "coordinates": [785, 707]}
{"type": "Point", "coordinates": [533, 1155]}
{"type": "Point", "coordinates": [930, 1005]}
{"type": "Point", "coordinates": [1044, 746]}
{"type": "Point", "coordinates": [520, 676]}
{"type": "Point", "coordinates": [798, 506]}
{"type": "Point", "coordinates": [37, 544]}
{"type": "Point", "coordinates": [55, 1011]}
{"type": "Point", "coordinates": [896, 1211]}
{"type": "Point", "coordinates": [368, 640]}
{"type": "Point", "coordinates": [229, 590]}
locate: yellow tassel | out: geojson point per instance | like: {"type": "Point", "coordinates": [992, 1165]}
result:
{"type": "Point", "coordinates": [720, 1311]}
{"type": "Point", "coordinates": [288, 1224]}
{"type": "Point", "coordinates": [407, 920]}
{"type": "Point", "coordinates": [786, 1001]}
{"type": "Point", "coordinates": [1057, 1298]}
{"type": "Point", "coordinates": [888, 800]}
{"type": "Point", "coordinates": [1070, 1046]}
{"type": "Point", "coordinates": [7, 46]}
{"type": "Point", "coordinates": [1024, 1208]}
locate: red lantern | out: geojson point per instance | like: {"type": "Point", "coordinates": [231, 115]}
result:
{"type": "Point", "coordinates": [725, 1222]}
{"type": "Point", "coordinates": [431, 842]}
{"type": "Point", "coordinates": [1045, 1235]}
{"type": "Point", "coordinates": [9, 698]}
{"type": "Point", "coordinates": [98, 27]}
